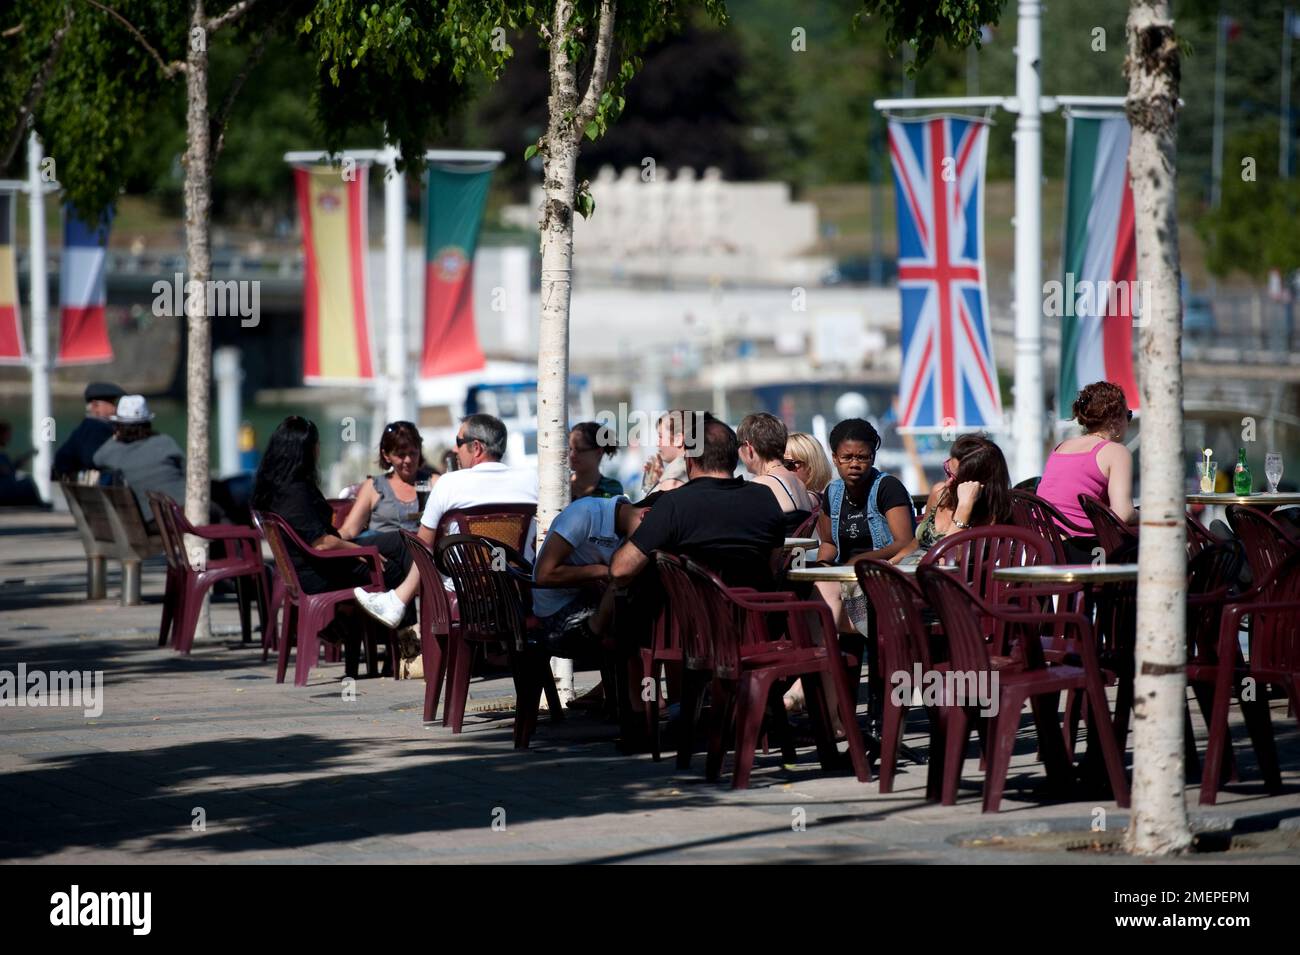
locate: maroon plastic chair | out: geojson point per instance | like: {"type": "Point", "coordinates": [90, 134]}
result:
{"type": "Point", "coordinates": [187, 584]}
{"type": "Point", "coordinates": [306, 615]}
{"type": "Point", "coordinates": [664, 656]}
{"type": "Point", "coordinates": [1028, 509]}
{"type": "Point", "coordinates": [897, 605]}
{"type": "Point", "coordinates": [759, 639]}
{"type": "Point", "coordinates": [492, 609]}
{"type": "Point", "coordinates": [1110, 531]}
{"type": "Point", "coordinates": [980, 551]}
{"type": "Point", "coordinates": [435, 626]}
{"type": "Point", "coordinates": [692, 632]}
{"type": "Point", "coordinates": [1273, 606]}
{"type": "Point", "coordinates": [1033, 513]}
{"type": "Point", "coordinates": [1198, 538]}
{"type": "Point", "coordinates": [1268, 542]}
{"type": "Point", "coordinates": [1031, 680]}
{"type": "Point", "coordinates": [509, 524]}
{"type": "Point", "coordinates": [340, 508]}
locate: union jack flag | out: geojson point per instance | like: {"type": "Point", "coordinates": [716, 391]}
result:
{"type": "Point", "coordinates": [948, 377]}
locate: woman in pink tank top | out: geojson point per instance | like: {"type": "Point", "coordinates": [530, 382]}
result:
{"type": "Point", "coordinates": [1096, 463]}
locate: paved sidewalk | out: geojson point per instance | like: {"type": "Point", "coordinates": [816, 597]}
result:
{"type": "Point", "coordinates": [283, 774]}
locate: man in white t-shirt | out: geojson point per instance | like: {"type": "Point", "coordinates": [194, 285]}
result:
{"type": "Point", "coordinates": [571, 599]}
{"type": "Point", "coordinates": [483, 479]}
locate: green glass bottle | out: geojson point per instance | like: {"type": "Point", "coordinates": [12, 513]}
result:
{"type": "Point", "coordinates": [1241, 481]}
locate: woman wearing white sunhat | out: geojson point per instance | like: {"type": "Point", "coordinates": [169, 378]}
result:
{"type": "Point", "coordinates": [147, 461]}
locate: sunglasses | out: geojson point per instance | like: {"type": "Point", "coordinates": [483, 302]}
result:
{"type": "Point", "coordinates": [462, 441]}
{"type": "Point", "coordinates": [790, 464]}
{"type": "Point", "coordinates": [398, 425]}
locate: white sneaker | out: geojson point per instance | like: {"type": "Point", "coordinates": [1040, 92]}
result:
{"type": "Point", "coordinates": [385, 607]}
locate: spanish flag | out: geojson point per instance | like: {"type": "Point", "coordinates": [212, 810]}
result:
{"type": "Point", "coordinates": [336, 311]}
{"type": "Point", "coordinates": [12, 350]}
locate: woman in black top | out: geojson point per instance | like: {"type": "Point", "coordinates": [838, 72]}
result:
{"type": "Point", "coordinates": [762, 440]}
{"type": "Point", "coordinates": [286, 485]}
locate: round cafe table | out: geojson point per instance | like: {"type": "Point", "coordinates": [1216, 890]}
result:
{"type": "Point", "coordinates": [845, 574]}
{"type": "Point", "coordinates": [1263, 499]}
{"type": "Point", "coordinates": [799, 543]}
{"type": "Point", "coordinates": [1068, 573]}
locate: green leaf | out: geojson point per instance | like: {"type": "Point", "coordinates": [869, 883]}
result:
{"type": "Point", "coordinates": [530, 152]}
{"type": "Point", "coordinates": [592, 130]}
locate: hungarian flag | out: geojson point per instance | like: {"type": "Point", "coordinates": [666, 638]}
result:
{"type": "Point", "coordinates": [83, 331]}
{"type": "Point", "coordinates": [12, 350]}
{"type": "Point", "coordinates": [1100, 290]}
{"type": "Point", "coordinates": [454, 209]}
{"type": "Point", "coordinates": [336, 310]}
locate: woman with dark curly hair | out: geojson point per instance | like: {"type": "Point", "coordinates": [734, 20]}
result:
{"type": "Point", "coordinates": [1096, 463]}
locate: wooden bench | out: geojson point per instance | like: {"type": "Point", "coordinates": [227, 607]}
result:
{"type": "Point", "coordinates": [111, 525]}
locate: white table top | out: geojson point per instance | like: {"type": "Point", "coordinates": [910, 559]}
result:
{"type": "Point", "coordinates": [799, 543]}
{"type": "Point", "coordinates": [845, 574]}
{"type": "Point", "coordinates": [1262, 499]}
{"type": "Point", "coordinates": [1068, 573]}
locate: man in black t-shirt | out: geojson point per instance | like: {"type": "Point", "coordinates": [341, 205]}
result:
{"type": "Point", "coordinates": [727, 524]}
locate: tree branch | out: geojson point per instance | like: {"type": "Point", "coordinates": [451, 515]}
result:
{"type": "Point", "coordinates": [38, 88]}
{"type": "Point", "coordinates": [599, 66]}
{"type": "Point", "coordinates": [168, 69]}
{"type": "Point", "coordinates": [223, 112]}
{"type": "Point", "coordinates": [234, 13]}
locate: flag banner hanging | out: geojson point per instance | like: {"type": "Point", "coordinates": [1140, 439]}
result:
{"type": "Point", "coordinates": [83, 330]}
{"type": "Point", "coordinates": [1099, 289]}
{"type": "Point", "coordinates": [12, 349]}
{"type": "Point", "coordinates": [454, 198]}
{"type": "Point", "coordinates": [948, 378]}
{"type": "Point", "coordinates": [336, 299]}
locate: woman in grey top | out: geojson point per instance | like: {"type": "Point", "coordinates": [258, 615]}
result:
{"type": "Point", "coordinates": [146, 461]}
{"type": "Point", "coordinates": [390, 501]}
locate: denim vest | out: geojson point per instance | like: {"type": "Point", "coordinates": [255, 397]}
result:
{"type": "Point", "coordinates": [880, 533]}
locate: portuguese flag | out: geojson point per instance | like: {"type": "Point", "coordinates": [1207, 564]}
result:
{"type": "Point", "coordinates": [336, 303]}
{"type": "Point", "coordinates": [1100, 261]}
{"type": "Point", "coordinates": [12, 350]}
{"type": "Point", "coordinates": [454, 200]}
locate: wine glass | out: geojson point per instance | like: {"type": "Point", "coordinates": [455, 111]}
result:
{"type": "Point", "coordinates": [1273, 470]}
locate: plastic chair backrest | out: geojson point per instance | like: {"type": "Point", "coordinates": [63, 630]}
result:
{"type": "Point", "coordinates": [1198, 538]}
{"type": "Point", "coordinates": [433, 596]}
{"type": "Point", "coordinates": [980, 551]}
{"type": "Point", "coordinates": [959, 613]}
{"type": "Point", "coordinates": [897, 605]}
{"type": "Point", "coordinates": [488, 600]}
{"type": "Point", "coordinates": [1033, 513]}
{"type": "Point", "coordinates": [685, 612]}
{"type": "Point", "coordinates": [1267, 542]}
{"type": "Point", "coordinates": [172, 539]}
{"type": "Point", "coordinates": [340, 508]}
{"type": "Point", "coordinates": [1275, 633]}
{"type": "Point", "coordinates": [1112, 533]}
{"type": "Point", "coordinates": [277, 533]}
{"type": "Point", "coordinates": [509, 524]}
{"type": "Point", "coordinates": [1211, 576]}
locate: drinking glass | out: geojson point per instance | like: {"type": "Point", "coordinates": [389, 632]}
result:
{"type": "Point", "coordinates": [1273, 470]}
{"type": "Point", "coordinates": [1207, 474]}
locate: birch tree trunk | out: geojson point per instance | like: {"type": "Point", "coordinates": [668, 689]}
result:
{"type": "Point", "coordinates": [568, 116]}
{"type": "Point", "coordinates": [198, 257]}
{"type": "Point", "coordinates": [1159, 822]}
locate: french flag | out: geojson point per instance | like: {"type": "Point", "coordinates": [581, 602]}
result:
{"type": "Point", "coordinates": [83, 332]}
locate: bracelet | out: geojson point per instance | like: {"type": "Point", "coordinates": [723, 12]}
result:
{"type": "Point", "coordinates": [957, 523]}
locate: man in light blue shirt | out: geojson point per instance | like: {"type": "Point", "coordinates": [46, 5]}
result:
{"type": "Point", "coordinates": [572, 601]}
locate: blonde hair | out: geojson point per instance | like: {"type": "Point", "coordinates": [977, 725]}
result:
{"type": "Point", "coordinates": [804, 447]}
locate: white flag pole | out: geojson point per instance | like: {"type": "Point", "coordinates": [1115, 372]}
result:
{"type": "Point", "coordinates": [1029, 415]}
{"type": "Point", "coordinates": [38, 279]}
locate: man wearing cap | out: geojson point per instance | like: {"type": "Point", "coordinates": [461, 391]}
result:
{"type": "Point", "coordinates": [77, 453]}
{"type": "Point", "coordinates": [146, 461]}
